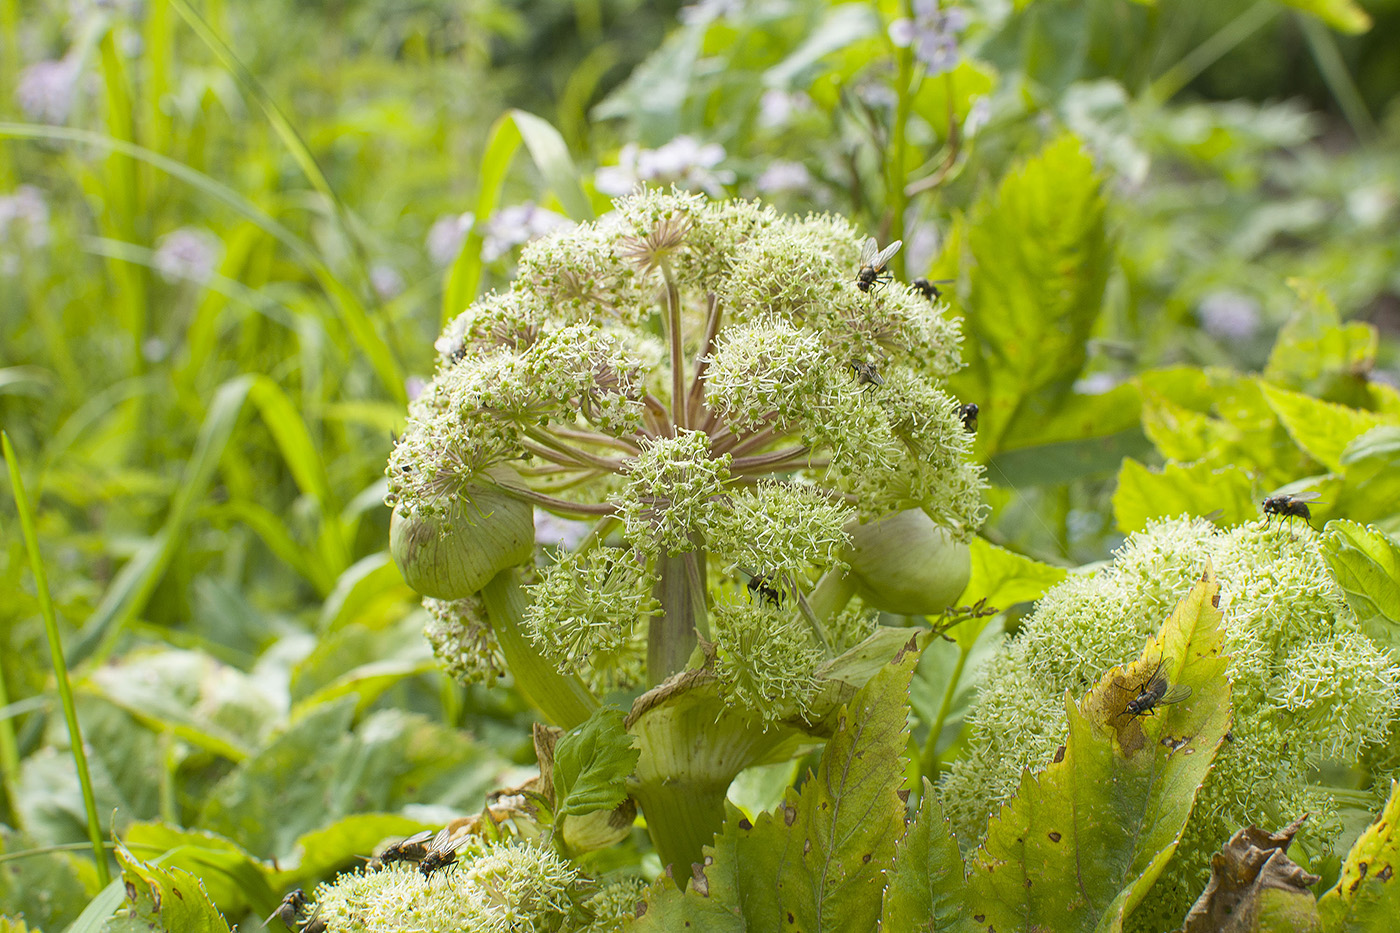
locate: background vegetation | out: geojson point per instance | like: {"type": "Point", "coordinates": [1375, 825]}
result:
{"type": "Point", "coordinates": [230, 232]}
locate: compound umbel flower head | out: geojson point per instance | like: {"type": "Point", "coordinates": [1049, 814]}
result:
{"type": "Point", "coordinates": [679, 373]}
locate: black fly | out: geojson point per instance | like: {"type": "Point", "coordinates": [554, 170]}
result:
{"type": "Point", "coordinates": [1154, 692]}
{"type": "Point", "coordinates": [867, 374]}
{"type": "Point", "coordinates": [929, 289]}
{"type": "Point", "coordinates": [291, 909]}
{"type": "Point", "coordinates": [872, 264]}
{"type": "Point", "coordinates": [412, 849]}
{"type": "Point", "coordinates": [442, 851]}
{"type": "Point", "coordinates": [968, 414]}
{"type": "Point", "coordinates": [762, 586]}
{"type": "Point", "coordinates": [1289, 506]}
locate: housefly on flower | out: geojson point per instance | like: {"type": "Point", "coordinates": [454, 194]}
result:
{"type": "Point", "coordinates": [442, 851]}
{"type": "Point", "coordinates": [1290, 506]}
{"type": "Point", "coordinates": [930, 290]}
{"type": "Point", "coordinates": [291, 909]}
{"type": "Point", "coordinates": [763, 586]}
{"type": "Point", "coordinates": [412, 849]}
{"type": "Point", "coordinates": [867, 374]}
{"type": "Point", "coordinates": [1154, 692]}
{"type": "Point", "coordinates": [872, 264]}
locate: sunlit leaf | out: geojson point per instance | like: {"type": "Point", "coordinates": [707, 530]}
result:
{"type": "Point", "coordinates": [1323, 429]}
{"type": "Point", "coordinates": [1367, 895]}
{"type": "Point", "coordinates": [170, 900]}
{"type": "Point", "coordinates": [927, 890]}
{"type": "Point", "coordinates": [1366, 565]}
{"type": "Point", "coordinates": [1198, 489]}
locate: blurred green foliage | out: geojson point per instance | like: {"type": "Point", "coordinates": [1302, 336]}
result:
{"type": "Point", "coordinates": [230, 232]}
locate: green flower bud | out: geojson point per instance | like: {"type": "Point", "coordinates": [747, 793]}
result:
{"type": "Point", "coordinates": [908, 565]}
{"type": "Point", "coordinates": [453, 553]}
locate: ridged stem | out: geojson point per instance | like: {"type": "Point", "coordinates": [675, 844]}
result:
{"type": "Point", "coordinates": [672, 633]}
{"type": "Point", "coordinates": [564, 700]}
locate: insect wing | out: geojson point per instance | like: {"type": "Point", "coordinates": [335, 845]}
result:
{"type": "Point", "coordinates": [1175, 693]}
{"type": "Point", "coordinates": [868, 249]}
{"type": "Point", "coordinates": [417, 839]}
{"type": "Point", "coordinates": [1308, 496]}
{"type": "Point", "coordinates": [445, 844]}
{"type": "Point", "coordinates": [883, 257]}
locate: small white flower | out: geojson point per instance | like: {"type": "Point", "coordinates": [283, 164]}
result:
{"type": "Point", "coordinates": [187, 254]}
{"type": "Point", "coordinates": [977, 115]}
{"type": "Point", "coordinates": [46, 90]}
{"type": "Point", "coordinates": [446, 236]}
{"type": "Point", "coordinates": [1096, 384]}
{"type": "Point", "coordinates": [683, 161]}
{"type": "Point", "coordinates": [776, 107]}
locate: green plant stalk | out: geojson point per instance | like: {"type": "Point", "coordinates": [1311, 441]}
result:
{"type": "Point", "coordinates": [928, 758]}
{"type": "Point", "coordinates": [1171, 81]}
{"type": "Point", "coordinates": [123, 197]}
{"type": "Point", "coordinates": [1338, 79]}
{"type": "Point", "coordinates": [60, 668]}
{"type": "Point", "coordinates": [566, 701]}
{"type": "Point", "coordinates": [9, 753]}
{"type": "Point", "coordinates": [9, 75]}
{"type": "Point", "coordinates": [897, 199]}
{"type": "Point", "coordinates": [673, 632]}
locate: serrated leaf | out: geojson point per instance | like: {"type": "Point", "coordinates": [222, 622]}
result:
{"type": "Point", "coordinates": [1323, 429]}
{"type": "Point", "coordinates": [168, 899]}
{"type": "Point", "coordinates": [927, 890]}
{"type": "Point", "coordinates": [1198, 489]}
{"type": "Point", "coordinates": [232, 878]}
{"type": "Point", "coordinates": [591, 764]}
{"type": "Point", "coordinates": [1039, 257]}
{"type": "Point", "coordinates": [817, 863]}
{"type": "Point", "coordinates": [1317, 354]}
{"type": "Point", "coordinates": [1366, 565]}
{"type": "Point", "coordinates": [1081, 843]}
{"type": "Point", "coordinates": [1370, 489]}
{"type": "Point", "coordinates": [1367, 895]}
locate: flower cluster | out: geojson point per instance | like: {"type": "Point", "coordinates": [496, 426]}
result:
{"type": "Point", "coordinates": [1307, 686]}
{"type": "Point", "coordinates": [708, 385]}
{"type": "Point", "coordinates": [497, 888]}
{"type": "Point", "coordinates": [683, 161]}
{"type": "Point", "coordinates": [463, 641]}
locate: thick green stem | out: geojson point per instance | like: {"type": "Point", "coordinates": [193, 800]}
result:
{"type": "Point", "coordinates": [672, 634]}
{"type": "Point", "coordinates": [831, 594]}
{"type": "Point", "coordinates": [564, 700]}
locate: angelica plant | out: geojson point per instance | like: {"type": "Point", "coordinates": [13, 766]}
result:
{"type": "Point", "coordinates": [694, 379]}
{"type": "Point", "coordinates": [1307, 687]}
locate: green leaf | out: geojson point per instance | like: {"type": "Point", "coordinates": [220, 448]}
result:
{"type": "Point", "coordinates": [817, 864]}
{"type": "Point", "coordinates": [1341, 15]}
{"type": "Point", "coordinates": [370, 592]}
{"type": "Point", "coordinates": [1315, 353]}
{"type": "Point", "coordinates": [1366, 565]}
{"type": "Point", "coordinates": [1004, 578]}
{"type": "Point", "coordinates": [1323, 429]}
{"type": "Point", "coordinates": [1370, 489]}
{"type": "Point", "coordinates": [1083, 841]}
{"type": "Point", "coordinates": [1198, 489]}
{"type": "Point", "coordinates": [47, 888]}
{"type": "Point", "coordinates": [321, 851]}
{"type": "Point", "coordinates": [232, 878]}
{"type": "Point", "coordinates": [1039, 255]}
{"type": "Point", "coordinates": [842, 25]}
{"type": "Point", "coordinates": [168, 899]}
{"type": "Point", "coordinates": [591, 764]}
{"type": "Point", "coordinates": [1065, 461]}
{"type": "Point", "coordinates": [1367, 895]}
{"type": "Point", "coordinates": [927, 890]}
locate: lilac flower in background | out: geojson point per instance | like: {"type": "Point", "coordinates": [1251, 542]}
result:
{"type": "Point", "coordinates": [776, 107]}
{"type": "Point", "coordinates": [24, 218]}
{"type": "Point", "coordinates": [154, 349]}
{"type": "Point", "coordinates": [187, 254]}
{"type": "Point", "coordinates": [683, 161]}
{"type": "Point", "coordinates": [512, 226]}
{"type": "Point", "coordinates": [413, 386]}
{"type": "Point", "coordinates": [386, 281]}
{"type": "Point", "coordinates": [446, 235]}
{"type": "Point", "coordinates": [783, 175]}
{"type": "Point", "coordinates": [1229, 315]}
{"type": "Point", "coordinates": [561, 532]}
{"type": "Point", "coordinates": [921, 245]}
{"type": "Point", "coordinates": [977, 115]}
{"type": "Point", "coordinates": [46, 90]}
{"type": "Point", "coordinates": [933, 32]}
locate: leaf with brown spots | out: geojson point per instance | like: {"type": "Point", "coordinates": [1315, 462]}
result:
{"type": "Point", "coordinates": [170, 900]}
{"type": "Point", "coordinates": [1082, 841]}
{"type": "Point", "coordinates": [1367, 896]}
{"type": "Point", "coordinates": [1256, 888]}
{"type": "Point", "coordinates": [817, 864]}
{"type": "Point", "coordinates": [927, 889]}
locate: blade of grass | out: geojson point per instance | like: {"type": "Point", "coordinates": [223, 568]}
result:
{"type": "Point", "coordinates": [352, 312]}
{"type": "Point", "coordinates": [551, 156]}
{"type": "Point", "coordinates": [1338, 79]}
{"type": "Point", "coordinates": [60, 669]}
{"type": "Point", "coordinates": [9, 755]}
